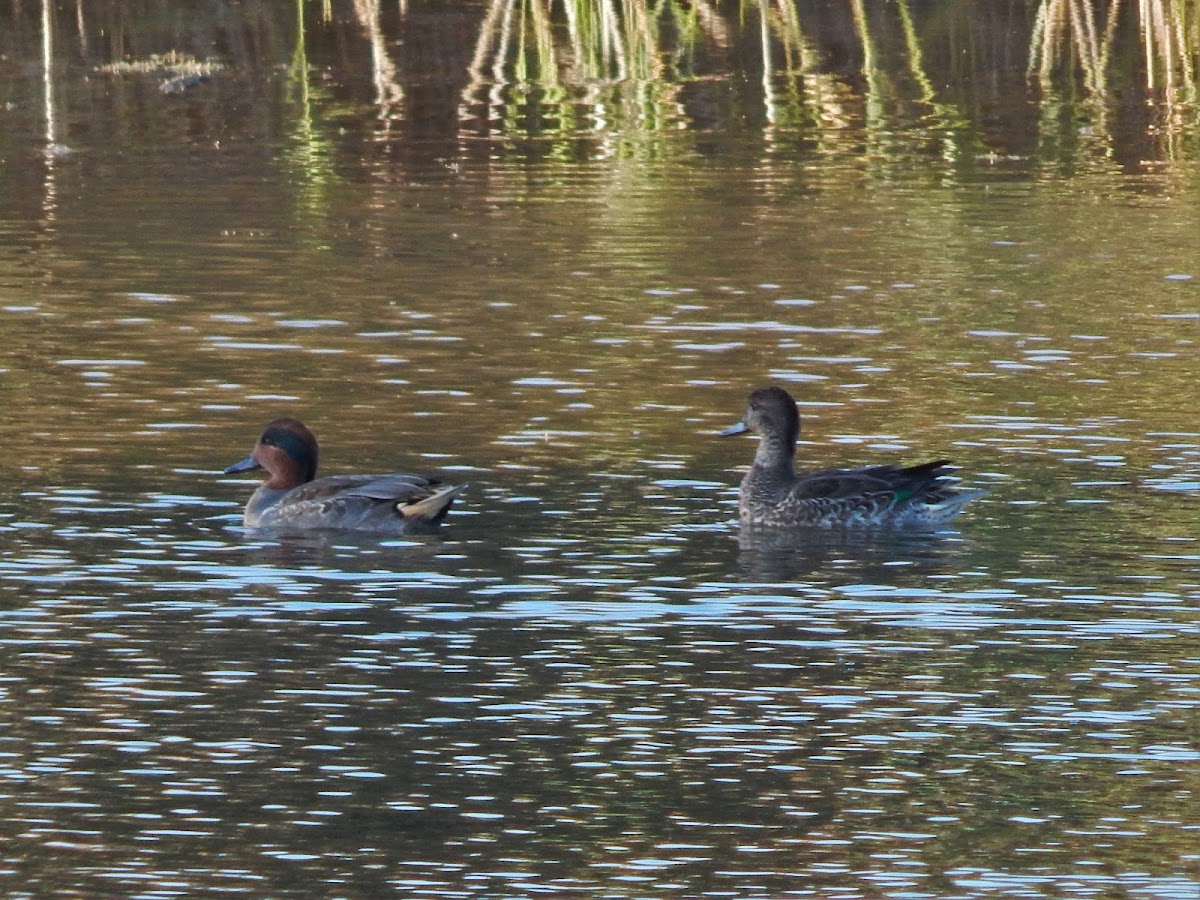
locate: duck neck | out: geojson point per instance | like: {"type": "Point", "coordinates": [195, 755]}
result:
{"type": "Point", "coordinates": [260, 505]}
{"type": "Point", "coordinates": [776, 454]}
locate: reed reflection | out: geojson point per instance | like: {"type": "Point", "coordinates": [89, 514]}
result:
{"type": "Point", "coordinates": [602, 78]}
{"type": "Point", "coordinates": [549, 60]}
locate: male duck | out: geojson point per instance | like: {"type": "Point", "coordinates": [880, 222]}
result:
{"type": "Point", "coordinates": [291, 499]}
{"type": "Point", "coordinates": [886, 496]}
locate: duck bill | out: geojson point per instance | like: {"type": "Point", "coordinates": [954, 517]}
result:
{"type": "Point", "coordinates": [739, 428]}
{"type": "Point", "coordinates": [244, 466]}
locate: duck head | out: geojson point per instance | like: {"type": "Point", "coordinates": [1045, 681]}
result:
{"type": "Point", "coordinates": [770, 413]}
{"type": "Point", "coordinates": [288, 452]}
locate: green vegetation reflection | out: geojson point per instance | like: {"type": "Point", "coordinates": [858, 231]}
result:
{"type": "Point", "coordinates": [1109, 80]}
{"type": "Point", "coordinates": [542, 67]}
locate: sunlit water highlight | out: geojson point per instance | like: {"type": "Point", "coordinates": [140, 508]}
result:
{"type": "Point", "coordinates": [593, 683]}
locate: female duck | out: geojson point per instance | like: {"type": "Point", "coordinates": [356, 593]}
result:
{"type": "Point", "coordinates": [290, 498]}
{"type": "Point", "coordinates": [886, 496]}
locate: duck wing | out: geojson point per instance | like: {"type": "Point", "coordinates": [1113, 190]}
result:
{"type": "Point", "coordinates": [395, 488]}
{"type": "Point", "coordinates": [890, 484]}
{"type": "Point", "coordinates": [419, 500]}
{"type": "Point", "coordinates": [395, 502]}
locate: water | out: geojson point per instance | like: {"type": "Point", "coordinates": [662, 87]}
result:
{"type": "Point", "coordinates": [592, 684]}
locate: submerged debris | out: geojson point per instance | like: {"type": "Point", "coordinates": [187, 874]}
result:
{"type": "Point", "coordinates": [184, 71]}
{"type": "Point", "coordinates": [181, 83]}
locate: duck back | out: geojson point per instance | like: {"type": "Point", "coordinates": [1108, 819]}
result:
{"type": "Point", "coordinates": [396, 503]}
{"type": "Point", "coordinates": [887, 496]}
{"type": "Point", "coordinates": [883, 496]}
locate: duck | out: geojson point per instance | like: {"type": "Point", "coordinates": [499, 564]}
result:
{"type": "Point", "coordinates": [293, 498]}
{"type": "Point", "coordinates": [771, 494]}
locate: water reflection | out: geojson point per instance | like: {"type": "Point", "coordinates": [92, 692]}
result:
{"type": "Point", "coordinates": [601, 735]}
{"type": "Point", "coordinates": [590, 79]}
{"type": "Point", "coordinates": [506, 696]}
{"type": "Point", "coordinates": [557, 282]}
{"type": "Point", "coordinates": [775, 555]}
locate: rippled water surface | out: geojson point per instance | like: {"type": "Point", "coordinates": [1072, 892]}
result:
{"type": "Point", "coordinates": [592, 683]}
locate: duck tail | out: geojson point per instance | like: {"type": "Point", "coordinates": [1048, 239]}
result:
{"type": "Point", "coordinates": [932, 471]}
{"type": "Point", "coordinates": [929, 483]}
{"type": "Point", "coordinates": [432, 509]}
{"type": "Point", "coordinates": [931, 494]}
{"type": "Point", "coordinates": [951, 504]}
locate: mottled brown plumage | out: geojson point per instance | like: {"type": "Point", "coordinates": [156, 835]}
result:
{"type": "Point", "coordinates": [884, 496]}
